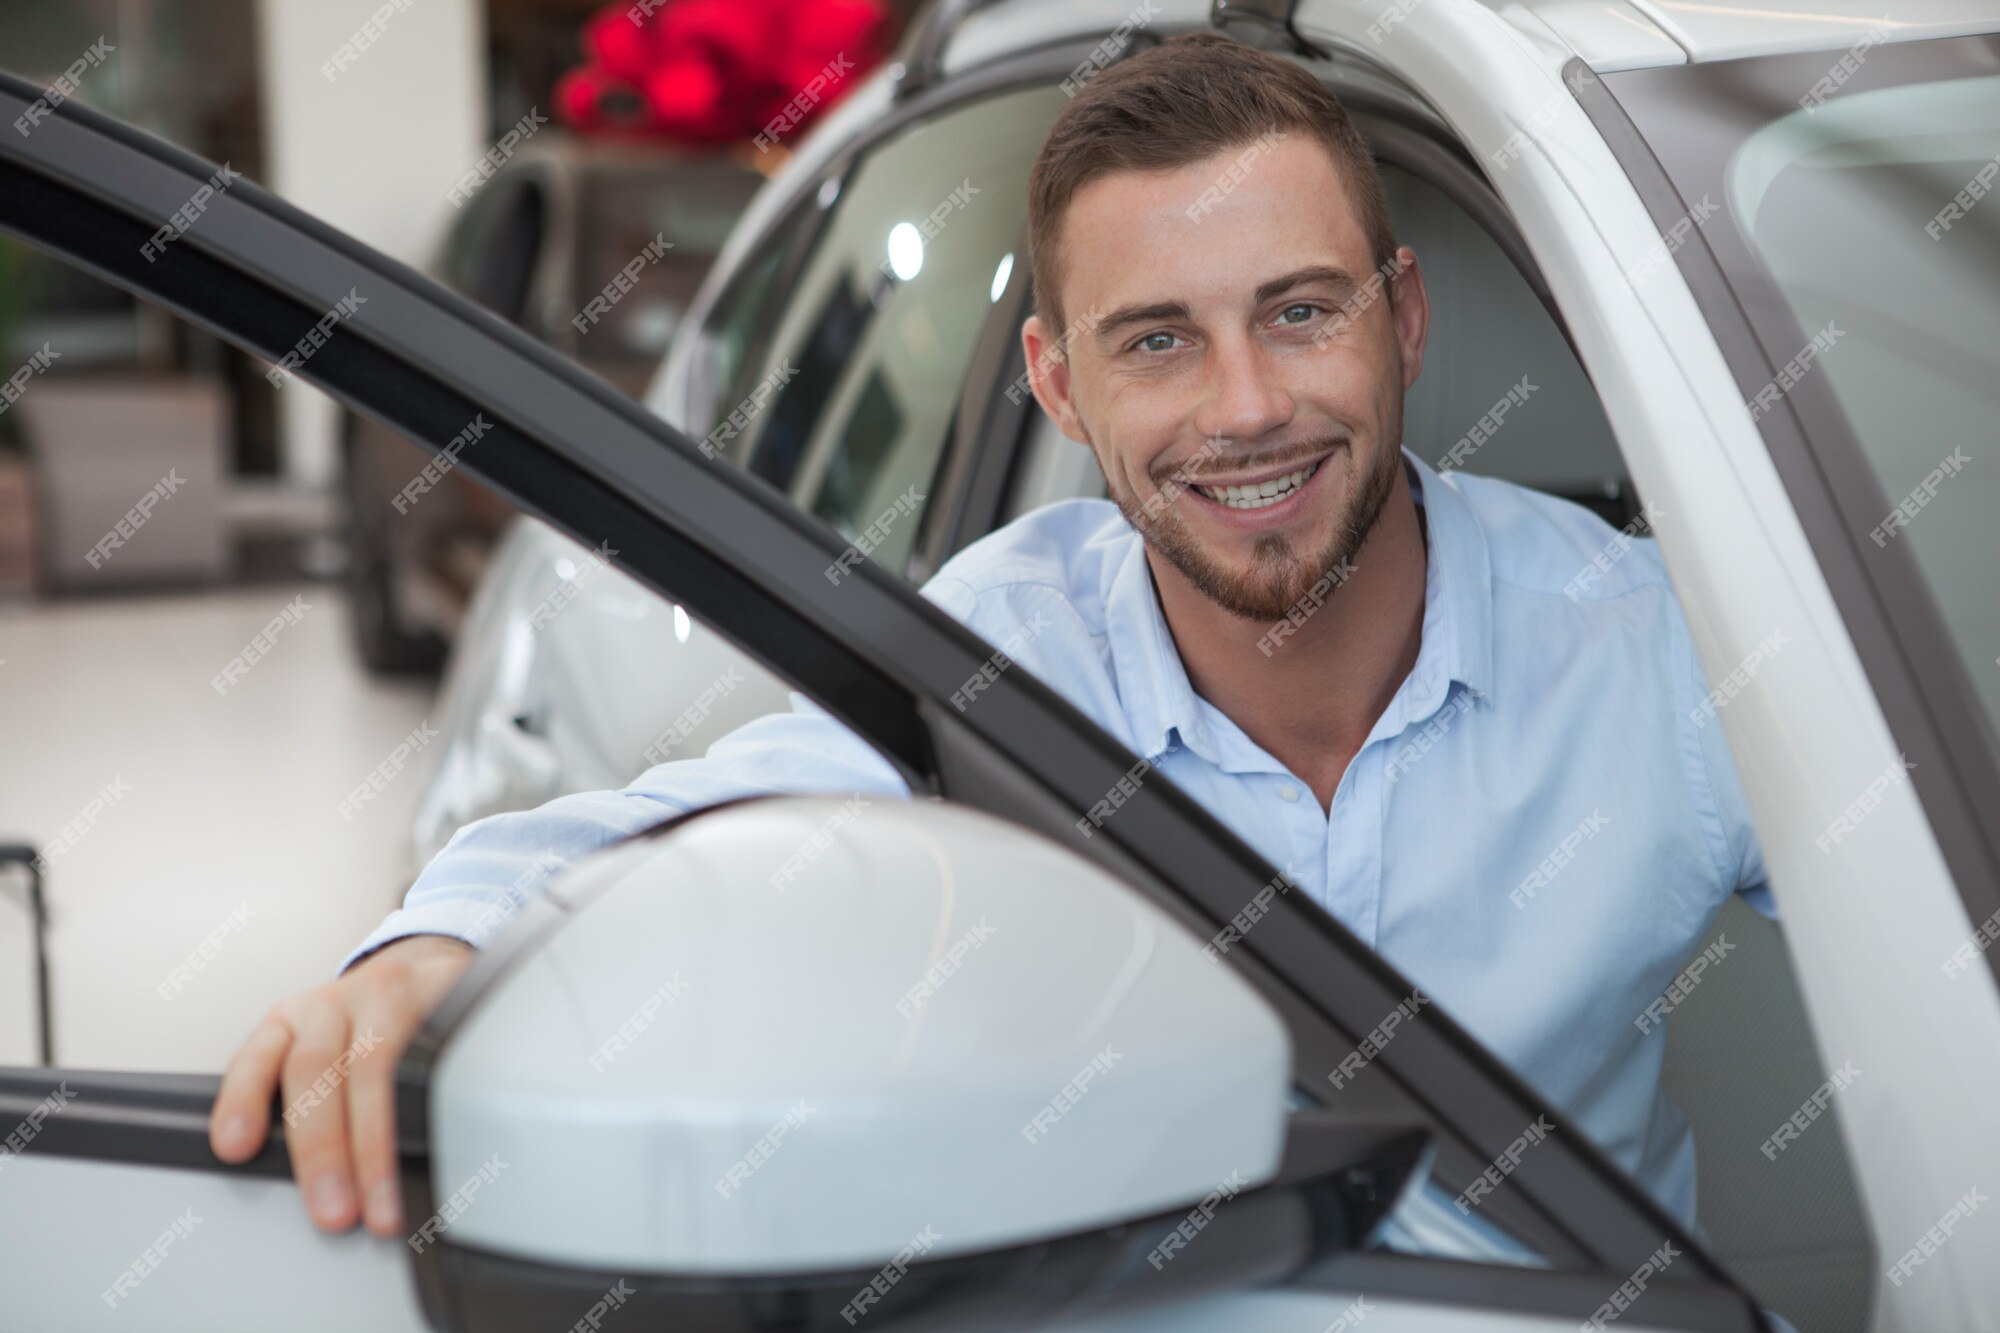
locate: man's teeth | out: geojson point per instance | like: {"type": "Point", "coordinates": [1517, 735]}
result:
{"type": "Point", "coordinates": [1264, 493]}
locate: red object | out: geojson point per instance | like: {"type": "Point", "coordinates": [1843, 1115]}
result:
{"type": "Point", "coordinates": [713, 71]}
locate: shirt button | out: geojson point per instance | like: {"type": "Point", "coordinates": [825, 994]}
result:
{"type": "Point", "coordinates": [1288, 793]}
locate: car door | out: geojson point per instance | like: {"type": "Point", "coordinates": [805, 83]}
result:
{"type": "Point", "coordinates": [111, 1198]}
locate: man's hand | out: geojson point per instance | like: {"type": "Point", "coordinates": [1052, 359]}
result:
{"type": "Point", "coordinates": [341, 1133]}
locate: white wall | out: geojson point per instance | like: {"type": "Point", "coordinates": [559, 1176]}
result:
{"type": "Point", "coordinates": [371, 150]}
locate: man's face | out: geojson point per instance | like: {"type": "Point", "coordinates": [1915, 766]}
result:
{"type": "Point", "coordinates": [1246, 426]}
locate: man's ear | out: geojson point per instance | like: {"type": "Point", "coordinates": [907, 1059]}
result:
{"type": "Point", "coordinates": [1049, 377]}
{"type": "Point", "coordinates": [1410, 309]}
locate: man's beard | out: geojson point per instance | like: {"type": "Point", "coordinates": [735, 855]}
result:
{"type": "Point", "coordinates": [1279, 577]}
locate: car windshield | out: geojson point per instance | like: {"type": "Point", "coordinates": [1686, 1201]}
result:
{"type": "Point", "coordinates": [1846, 196]}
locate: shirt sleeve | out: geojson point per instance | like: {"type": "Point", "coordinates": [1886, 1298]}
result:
{"type": "Point", "coordinates": [493, 865]}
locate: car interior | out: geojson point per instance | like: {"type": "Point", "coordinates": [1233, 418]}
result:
{"type": "Point", "coordinates": [892, 359]}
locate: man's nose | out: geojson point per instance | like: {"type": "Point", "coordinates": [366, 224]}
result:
{"type": "Point", "coordinates": [1242, 398]}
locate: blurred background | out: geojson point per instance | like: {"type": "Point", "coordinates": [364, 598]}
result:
{"type": "Point", "coordinates": [226, 878]}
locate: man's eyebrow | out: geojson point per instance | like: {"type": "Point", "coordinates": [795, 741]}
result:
{"type": "Point", "coordinates": [1106, 329]}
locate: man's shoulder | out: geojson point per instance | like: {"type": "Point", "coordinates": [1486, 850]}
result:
{"type": "Point", "coordinates": [1543, 544]}
{"type": "Point", "coordinates": [1072, 549]}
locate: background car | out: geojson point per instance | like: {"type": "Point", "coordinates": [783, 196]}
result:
{"type": "Point", "coordinates": [555, 226]}
{"type": "Point", "coordinates": [810, 281]}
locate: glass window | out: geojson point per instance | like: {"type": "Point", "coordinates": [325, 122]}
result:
{"type": "Point", "coordinates": [878, 321]}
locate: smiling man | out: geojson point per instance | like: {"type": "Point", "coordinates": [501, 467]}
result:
{"type": "Point", "coordinates": [1513, 796]}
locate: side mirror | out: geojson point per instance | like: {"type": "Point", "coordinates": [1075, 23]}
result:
{"type": "Point", "coordinates": [782, 1043]}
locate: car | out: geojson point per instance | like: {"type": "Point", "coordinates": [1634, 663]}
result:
{"type": "Point", "coordinates": [561, 219]}
{"type": "Point", "coordinates": [1562, 137]}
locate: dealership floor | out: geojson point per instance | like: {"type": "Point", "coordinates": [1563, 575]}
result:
{"type": "Point", "coordinates": [218, 872]}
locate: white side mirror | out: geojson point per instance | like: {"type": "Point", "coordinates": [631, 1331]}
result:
{"type": "Point", "coordinates": [799, 1034]}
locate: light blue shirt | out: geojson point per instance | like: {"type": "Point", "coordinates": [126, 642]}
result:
{"type": "Point", "coordinates": [1538, 831]}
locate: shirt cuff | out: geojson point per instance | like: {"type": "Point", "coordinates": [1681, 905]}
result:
{"type": "Point", "coordinates": [461, 920]}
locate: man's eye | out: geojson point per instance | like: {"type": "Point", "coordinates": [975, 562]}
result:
{"type": "Point", "coordinates": [1146, 344]}
{"type": "Point", "coordinates": [1310, 311]}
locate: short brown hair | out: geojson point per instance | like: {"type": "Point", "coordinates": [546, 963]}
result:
{"type": "Point", "coordinates": [1189, 98]}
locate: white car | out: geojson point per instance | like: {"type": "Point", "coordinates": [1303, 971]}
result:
{"type": "Point", "coordinates": [1746, 252]}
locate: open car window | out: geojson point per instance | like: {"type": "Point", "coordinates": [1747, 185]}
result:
{"type": "Point", "coordinates": [564, 447]}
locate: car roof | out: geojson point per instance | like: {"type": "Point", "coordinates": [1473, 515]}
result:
{"type": "Point", "coordinates": [1727, 29]}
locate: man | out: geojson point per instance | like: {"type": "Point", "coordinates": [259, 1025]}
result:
{"type": "Point", "coordinates": [1513, 795]}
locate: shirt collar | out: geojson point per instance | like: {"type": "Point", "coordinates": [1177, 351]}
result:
{"type": "Point", "coordinates": [1161, 705]}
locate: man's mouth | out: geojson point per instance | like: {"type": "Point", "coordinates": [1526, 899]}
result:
{"type": "Point", "coordinates": [1257, 495]}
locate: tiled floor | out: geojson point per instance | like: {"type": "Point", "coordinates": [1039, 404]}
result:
{"type": "Point", "coordinates": [227, 826]}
